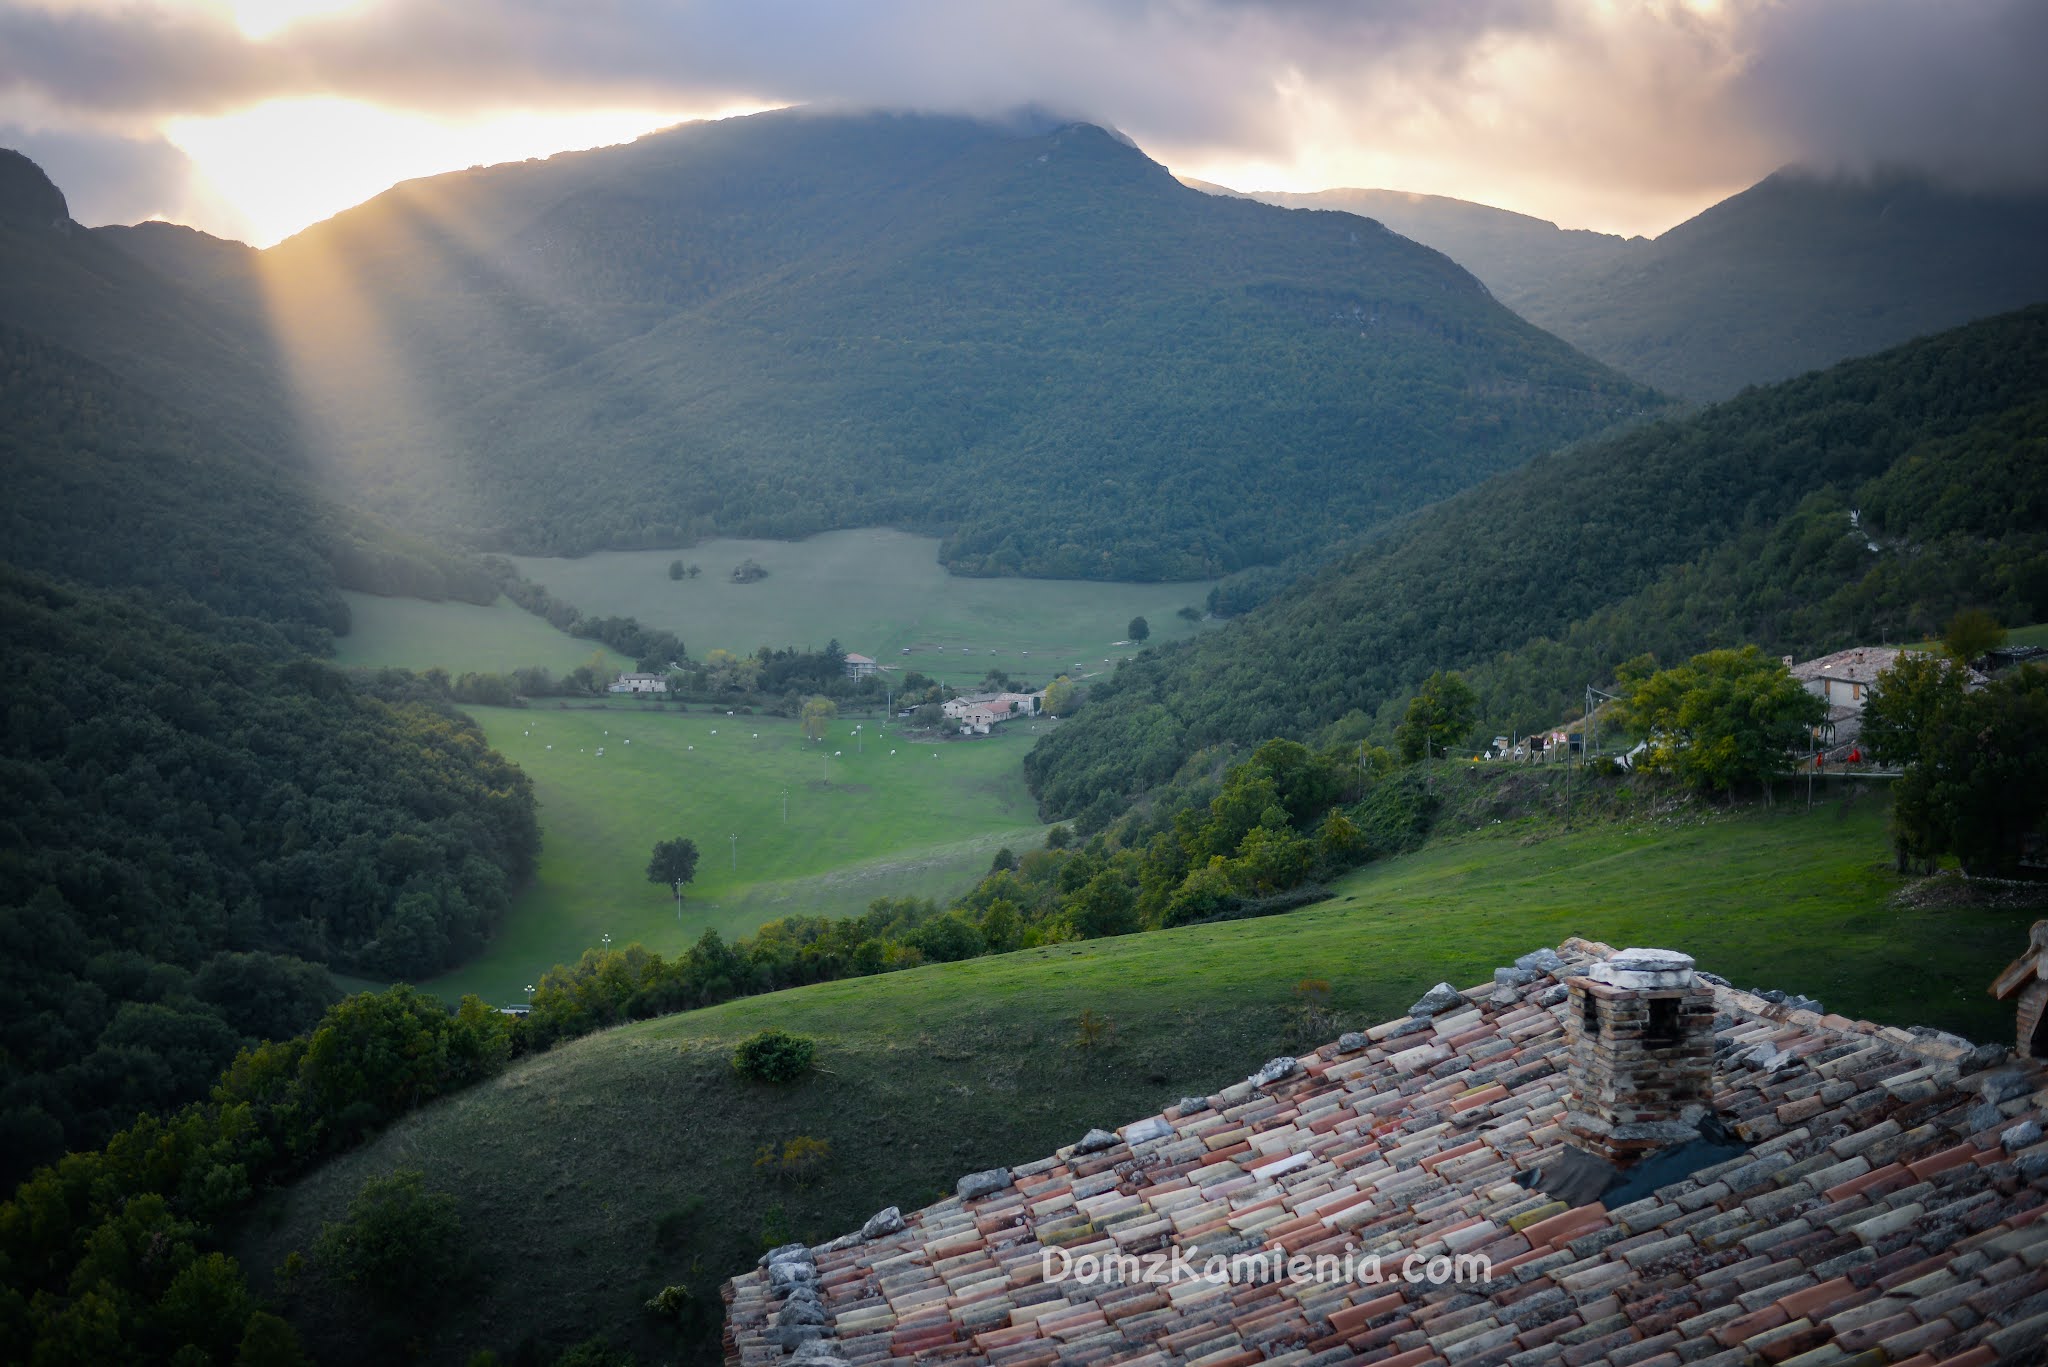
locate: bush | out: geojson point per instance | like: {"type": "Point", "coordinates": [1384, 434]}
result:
{"type": "Point", "coordinates": [799, 1160]}
{"type": "Point", "coordinates": [773, 1056]}
{"type": "Point", "coordinates": [401, 1249]}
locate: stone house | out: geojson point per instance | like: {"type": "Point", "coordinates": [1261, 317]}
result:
{"type": "Point", "coordinates": [639, 683]}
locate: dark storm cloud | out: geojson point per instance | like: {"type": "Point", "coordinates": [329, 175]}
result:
{"type": "Point", "coordinates": [1958, 87]}
{"type": "Point", "coordinates": [1667, 91]}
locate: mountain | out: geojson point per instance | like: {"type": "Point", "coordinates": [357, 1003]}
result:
{"type": "Point", "coordinates": [1026, 334]}
{"type": "Point", "coordinates": [1517, 256]}
{"type": "Point", "coordinates": [1870, 500]}
{"type": "Point", "coordinates": [196, 822]}
{"type": "Point", "coordinates": [176, 340]}
{"type": "Point", "coordinates": [1795, 273]}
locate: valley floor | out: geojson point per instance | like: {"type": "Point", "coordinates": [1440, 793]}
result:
{"type": "Point", "coordinates": [823, 828]}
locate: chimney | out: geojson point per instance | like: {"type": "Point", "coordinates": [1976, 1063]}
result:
{"type": "Point", "coordinates": [1642, 1054]}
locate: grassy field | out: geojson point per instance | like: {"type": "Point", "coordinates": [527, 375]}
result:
{"type": "Point", "coordinates": [566, 1166]}
{"type": "Point", "coordinates": [878, 593]}
{"type": "Point", "coordinates": [459, 637]}
{"type": "Point", "coordinates": [868, 816]}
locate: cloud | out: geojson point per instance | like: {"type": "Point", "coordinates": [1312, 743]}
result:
{"type": "Point", "coordinates": [1650, 99]}
{"type": "Point", "coordinates": [108, 178]}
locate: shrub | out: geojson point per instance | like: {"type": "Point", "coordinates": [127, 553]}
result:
{"type": "Point", "coordinates": [1093, 1031]}
{"type": "Point", "coordinates": [401, 1249]}
{"type": "Point", "coordinates": [773, 1056]}
{"type": "Point", "coordinates": [799, 1160]}
{"type": "Point", "coordinates": [671, 1302]}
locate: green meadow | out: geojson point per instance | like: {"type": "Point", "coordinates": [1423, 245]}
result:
{"type": "Point", "coordinates": [462, 638]}
{"type": "Point", "coordinates": [879, 593]}
{"type": "Point", "coordinates": [625, 1161]}
{"type": "Point", "coordinates": [868, 815]}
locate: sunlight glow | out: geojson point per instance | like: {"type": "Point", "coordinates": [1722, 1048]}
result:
{"type": "Point", "coordinates": [289, 163]}
{"type": "Point", "coordinates": [260, 19]}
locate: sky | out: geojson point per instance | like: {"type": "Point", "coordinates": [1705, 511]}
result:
{"type": "Point", "coordinates": [254, 118]}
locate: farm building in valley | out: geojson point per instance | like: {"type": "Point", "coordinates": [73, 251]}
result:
{"type": "Point", "coordinates": [639, 683]}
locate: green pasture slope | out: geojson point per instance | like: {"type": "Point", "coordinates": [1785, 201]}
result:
{"type": "Point", "coordinates": [566, 1166]}
{"type": "Point", "coordinates": [869, 816]}
{"type": "Point", "coordinates": [462, 638]}
{"type": "Point", "coordinates": [877, 592]}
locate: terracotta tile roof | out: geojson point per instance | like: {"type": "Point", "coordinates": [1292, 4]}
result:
{"type": "Point", "coordinates": [1888, 1208]}
{"type": "Point", "coordinates": [1861, 664]}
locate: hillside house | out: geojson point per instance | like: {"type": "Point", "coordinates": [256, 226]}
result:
{"type": "Point", "coordinates": [1593, 1157]}
{"type": "Point", "coordinates": [859, 666]}
{"type": "Point", "coordinates": [1843, 680]}
{"type": "Point", "coordinates": [639, 683]}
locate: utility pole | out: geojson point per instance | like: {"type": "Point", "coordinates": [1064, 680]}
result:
{"type": "Point", "coordinates": [1812, 763]}
{"type": "Point", "coordinates": [679, 901]}
{"type": "Point", "coordinates": [735, 853]}
{"type": "Point", "coordinates": [785, 806]}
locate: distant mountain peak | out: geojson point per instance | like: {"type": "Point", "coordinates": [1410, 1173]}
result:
{"type": "Point", "coordinates": [27, 195]}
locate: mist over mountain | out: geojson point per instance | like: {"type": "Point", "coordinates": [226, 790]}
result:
{"type": "Point", "coordinates": [1795, 273]}
{"type": "Point", "coordinates": [1029, 337]}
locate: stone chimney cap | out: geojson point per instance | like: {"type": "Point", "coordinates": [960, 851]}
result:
{"type": "Point", "coordinates": [1644, 968]}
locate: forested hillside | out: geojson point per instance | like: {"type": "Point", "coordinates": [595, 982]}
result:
{"type": "Point", "coordinates": [1795, 273]}
{"type": "Point", "coordinates": [182, 342]}
{"type": "Point", "coordinates": [1730, 525]}
{"type": "Point", "coordinates": [1028, 335]}
{"type": "Point", "coordinates": [110, 487]}
{"type": "Point", "coordinates": [176, 799]}
{"type": "Point", "coordinates": [196, 820]}
{"type": "Point", "coordinates": [1517, 256]}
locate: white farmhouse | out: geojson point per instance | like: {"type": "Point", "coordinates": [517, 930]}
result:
{"type": "Point", "coordinates": [639, 683]}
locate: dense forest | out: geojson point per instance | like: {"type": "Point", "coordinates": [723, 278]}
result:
{"type": "Point", "coordinates": [198, 820]}
{"type": "Point", "coordinates": [1797, 272]}
{"type": "Point", "coordinates": [1029, 337]}
{"type": "Point", "coordinates": [178, 800]}
{"type": "Point", "coordinates": [1728, 525]}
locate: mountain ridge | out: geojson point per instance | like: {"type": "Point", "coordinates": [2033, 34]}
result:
{"type": "Point", "coordinates": [785, 323]}
{"type": "Point", "coordinates": [1792, 274]}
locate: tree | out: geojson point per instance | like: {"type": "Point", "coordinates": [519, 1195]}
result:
{"type": "Point", "coordinates": [947, 939]}
{"type": "Point", "coordinates": [401, 1249]}
{"type": "Point", "coordinates": [1970, 634]}
{"type": "Point", "coordinates": [1139, 629]}
{"type": "Point", "coordinates": [1440, 715]}
{"type": "Point", "coordinates": [928, 715]}
{"type": "Point", "coordinates": [1978, 785]}
{"type": "Point", "coordinates": [818, 715]}
{"type": "Point", "coordinates": [1059, 695]}
{"type": "Point", "coordinates": [1905, 702]}
{"type": "Point", "coordinates": [1103, 906]}
{"type": "Point", "coordinates": [1722, 718]}
{"type": "Point", "coordinates": [674, 861]}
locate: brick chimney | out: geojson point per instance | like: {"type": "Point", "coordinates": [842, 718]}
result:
{"type": "Point", "coordinates": [1642, 1054]}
